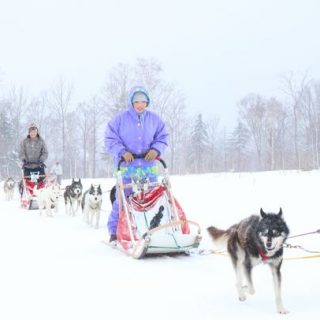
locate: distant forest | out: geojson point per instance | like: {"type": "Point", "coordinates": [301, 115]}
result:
{"type": "Point", "coordinates": [269, 135]}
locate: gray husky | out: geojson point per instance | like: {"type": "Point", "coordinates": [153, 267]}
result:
{"type": "Point", "coordinates": [8, 188]}
{"type": "Point", "coordinates": [91, 205]}
{"type": "Point", "coordinates": [72, 197]}
{"type": "Point", "coordinates": [254, 240]}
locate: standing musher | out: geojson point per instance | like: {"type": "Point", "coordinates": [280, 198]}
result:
{"type": "Point", "coordinates": [134, 131]}
{"type": "Point", "coordinates": [33, 152]}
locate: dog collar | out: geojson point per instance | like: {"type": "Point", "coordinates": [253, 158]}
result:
{"type": "Point", "coordinates": [262, 253]}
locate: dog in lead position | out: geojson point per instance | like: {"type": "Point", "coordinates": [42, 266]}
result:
{"type": "Point", "coordinates": [8, 188]}
{"type": "Point", "coordinates": [252, 241]}
{"type": "Point", "coordinates": [91, 205]}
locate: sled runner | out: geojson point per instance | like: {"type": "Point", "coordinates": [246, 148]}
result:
{"type": "Point", "coordinates": [151, 221]}
{"type": "Point", "coordinates": [28, 199]}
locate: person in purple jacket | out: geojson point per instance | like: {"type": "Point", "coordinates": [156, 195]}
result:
{"type": "Point", "coordinates": [136, 131]}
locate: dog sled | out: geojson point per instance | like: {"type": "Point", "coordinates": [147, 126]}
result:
{"type": "Point", "coordinates": [27, 186]}
{"type": "Point", "coordinates": [151, 220]}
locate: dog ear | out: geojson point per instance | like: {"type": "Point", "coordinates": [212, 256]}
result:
{"type": "Point", "coordinates": [262, 213]}
{"type": "Point", "coordinates": [280, 212]}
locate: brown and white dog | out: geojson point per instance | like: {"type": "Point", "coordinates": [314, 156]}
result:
{"type": "Point", "coordinates": [8, 188]}
{"type": "Point", "coordinates": [48, 199]}
{"type": "Point", "coordinates": [252, 241]}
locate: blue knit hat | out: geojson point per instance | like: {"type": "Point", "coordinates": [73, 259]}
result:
{"type": "Point", "coordinates": [140, 97]}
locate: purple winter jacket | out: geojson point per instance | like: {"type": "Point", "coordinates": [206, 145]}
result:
{"type": "Point", "coordinates": [129, 132]}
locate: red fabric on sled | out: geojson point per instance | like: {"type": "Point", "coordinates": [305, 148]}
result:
{"type": "Point", "coordinates": [30, 186]}
{"type": "Point", "coordinates": [123, 234]}
{"type": "Point", "coordinates": [149, 199]}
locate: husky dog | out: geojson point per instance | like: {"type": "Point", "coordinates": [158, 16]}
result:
{"type": "Point", "coordinates": [91, 205]}
{"type": "Point", "coordinates": [72, 197]}
{"type": "Point", "coordinates": [47, 198]}
{"type": "Point", "coordinates": [254, 240]}
{"type": "Point", "coordinates": [8, 188]}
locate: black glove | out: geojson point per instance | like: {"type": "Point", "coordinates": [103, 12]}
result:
{"type": "Point", "coordinates": [41, 164]}
{"type": "Point", "coordinates": [25, 163]}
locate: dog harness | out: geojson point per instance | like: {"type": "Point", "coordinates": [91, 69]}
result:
{"type": "Point", "coordinates": [262, 253]}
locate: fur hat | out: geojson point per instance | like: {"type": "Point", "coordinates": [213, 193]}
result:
{"type": "Point", "coordinates": [140, 97]}
{"type": "Point", "coordinates": [32, 126]}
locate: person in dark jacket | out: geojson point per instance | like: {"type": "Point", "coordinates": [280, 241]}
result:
{"type": "Point", "coordinates": [33, 152]}
{"type": "Point", "coordinates": [134, 131]}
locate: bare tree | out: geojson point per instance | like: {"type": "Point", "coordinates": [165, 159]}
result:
{"type": "Point", "coordinates": [60, 102]}
{"type": "Point", "coordinates": [17, 107]}
{"type": "Point", "coordinates": [294, 89]}
{"type": "Point", "coordinates": [213, 136]}
{"type": "Point", "coordinates": [114, 95]}
{"type": "Point", "coordinates": [252, 111]}
{"type": "Point", "coordinates": [275, 126]}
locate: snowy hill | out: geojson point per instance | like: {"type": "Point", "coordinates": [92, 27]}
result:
{"type": "Point", "coordinates": [58, 268]}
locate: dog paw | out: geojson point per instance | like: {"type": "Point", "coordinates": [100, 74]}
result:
{"type": "Point", "coordinates": [242, 297]}
{"type": "Point", "coordinates": [282, 310]}
{"type": "Point", "coordinates": [242, 293]}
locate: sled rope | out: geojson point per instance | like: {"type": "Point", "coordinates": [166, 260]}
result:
{"type": "Point", "coordinates": [290, 246]}
{"type": "Point", "coordinates": [304, 234]}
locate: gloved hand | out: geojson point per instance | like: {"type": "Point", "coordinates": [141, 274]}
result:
{"type": "Point", "coordinates": [25, 163]}
{"type": "Point", "coordinates": [128, 157]}
{"type": "Point", "coordinates": [151, 155]}
{"type": "Point", "coordinates": [41, 164]}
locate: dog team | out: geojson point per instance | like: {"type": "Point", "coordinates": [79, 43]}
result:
{"type": "Point", "coordinates": [48, 199]}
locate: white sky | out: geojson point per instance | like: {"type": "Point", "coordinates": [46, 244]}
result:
{"type": "Point", "coordinates": [57, 268]}
{"type": "Point", "coordinates": [216, 52]}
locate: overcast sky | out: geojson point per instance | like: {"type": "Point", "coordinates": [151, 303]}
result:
{"type": "Point", "coordinates": [215, 52]}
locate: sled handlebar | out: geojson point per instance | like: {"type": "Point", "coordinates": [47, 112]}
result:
{"type": "Point", "coordinates": [141, 156]}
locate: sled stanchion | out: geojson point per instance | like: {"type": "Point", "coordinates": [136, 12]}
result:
{"type": "Point", "coordinates": [121, 191]}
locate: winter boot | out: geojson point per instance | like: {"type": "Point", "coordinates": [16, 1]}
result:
{"type": "Point", "coordinates": [113, 237]}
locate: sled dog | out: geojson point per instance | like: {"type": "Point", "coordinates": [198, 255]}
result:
{"type": "Point", "coordinates": [72, 197]}
{"type": "Point", "coordinates": [91, 205]}
{"type": "Point", "coordinates": [254, 240]}
{"type": "Point", "coordinates": [48, 199]}
{"type": "Point", "coordinates": [8, 188]}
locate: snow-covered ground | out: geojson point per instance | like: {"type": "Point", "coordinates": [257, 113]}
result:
{"type": "Point", "coordinates": [58, 268]}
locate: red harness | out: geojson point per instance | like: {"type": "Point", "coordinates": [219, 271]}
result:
{"type": "Point", "coordinates": [262, 253]}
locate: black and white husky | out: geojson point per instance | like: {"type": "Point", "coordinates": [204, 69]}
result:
{"type": "Point", "coordinates": [254, 240]}
{"type": "Point", "coordinates": [8, 188]}
{"type": "Point", "coordinates": [72, 197]}
{"type": "Point", "coordinates": [91, 205]}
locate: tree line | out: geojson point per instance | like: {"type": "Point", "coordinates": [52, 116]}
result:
{"type": "Point", "coordinates": [270, 134]}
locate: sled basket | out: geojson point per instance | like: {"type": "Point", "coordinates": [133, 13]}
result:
{"type": "Point", "coordinates": [153, 222]}
{"type": "Point", "coordinates": [28, 199]}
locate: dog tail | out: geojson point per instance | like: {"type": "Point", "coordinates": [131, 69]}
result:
{"type": "Point", "coordinates": [220, 237]}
